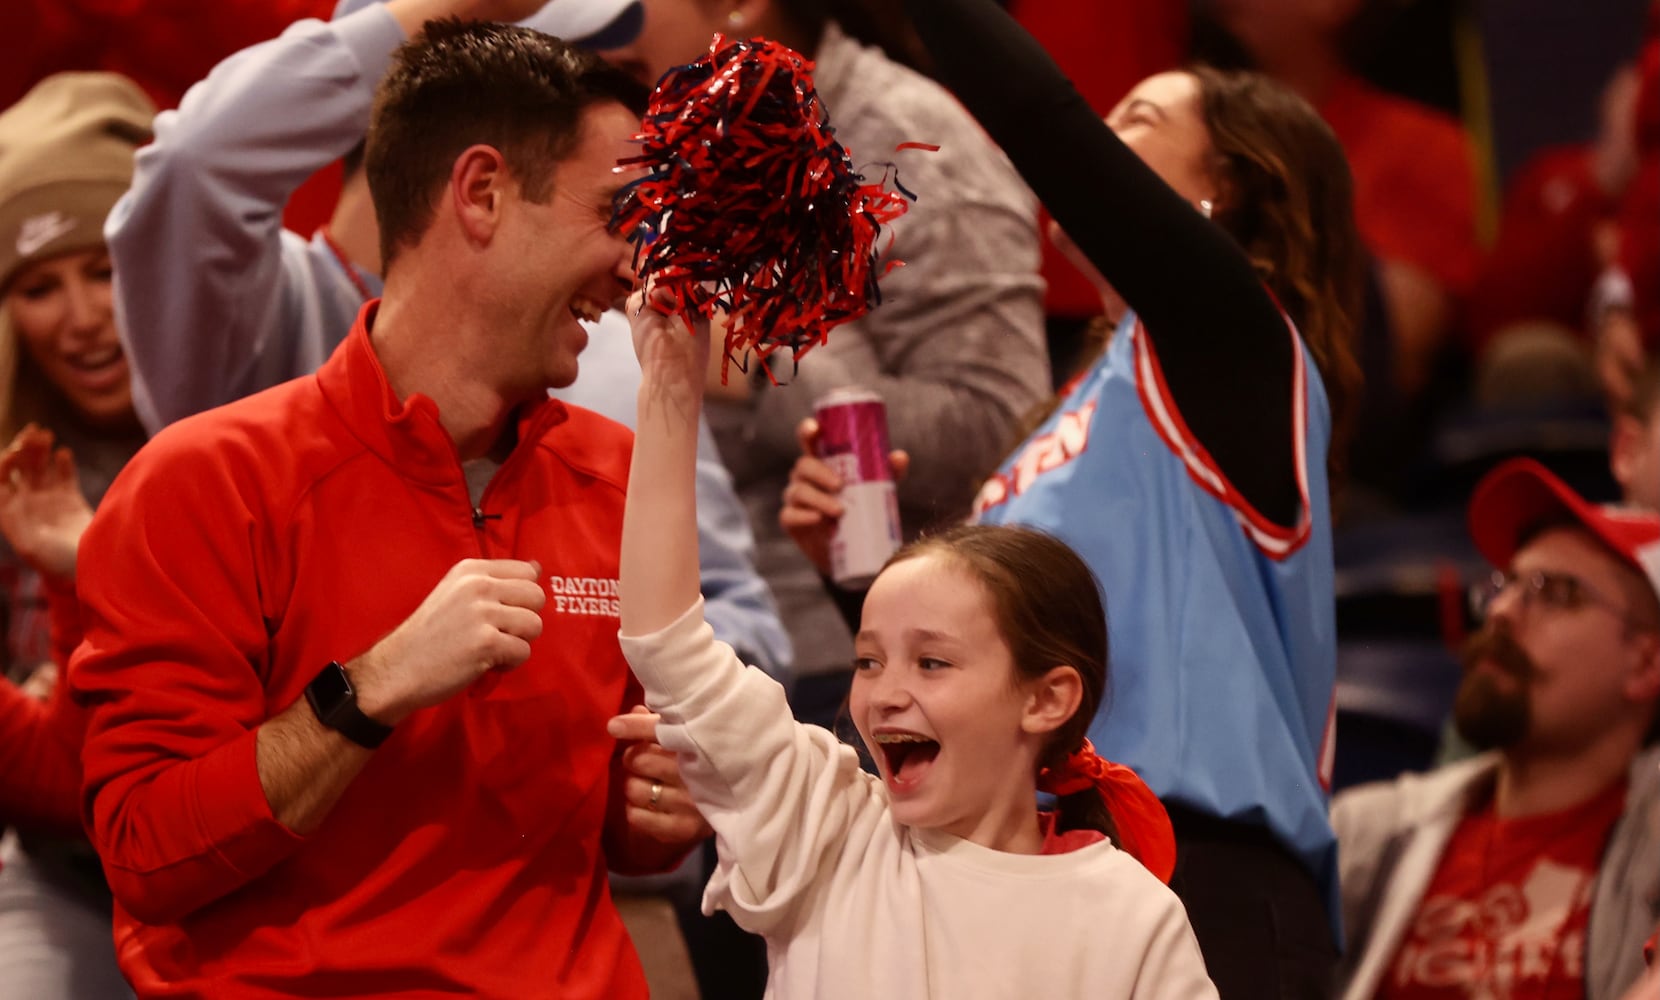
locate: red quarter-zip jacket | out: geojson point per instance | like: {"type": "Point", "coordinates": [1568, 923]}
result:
{"type": "Point", "coordinates": [237, 554]}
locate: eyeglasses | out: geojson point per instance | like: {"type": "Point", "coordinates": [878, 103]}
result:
{"type": "Point", "coordinates": [1557, 591]}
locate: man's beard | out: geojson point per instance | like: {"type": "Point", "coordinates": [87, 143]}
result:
{"type": "Point", "coordinates": [1492, 713]}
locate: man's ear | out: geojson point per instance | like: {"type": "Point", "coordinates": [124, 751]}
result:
{"type": "Point", "coordinates": [1643, 682]}
{"type": "Point", "coordinates": [1052, 700]}
{"type": "Point", "coordinates": [477, 191]}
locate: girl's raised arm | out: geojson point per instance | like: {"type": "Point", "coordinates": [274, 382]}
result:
{"type": "Point", "coordinates": [780, 795]}
{"type": "Point", "coordinates": [659, 575]}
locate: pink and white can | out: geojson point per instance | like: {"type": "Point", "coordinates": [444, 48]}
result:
{"type": "Point", "coordinates": [853, 440]}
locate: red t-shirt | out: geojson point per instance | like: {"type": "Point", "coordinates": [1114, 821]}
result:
{"type": "Point", "coordinates": [1067, 842]}
{"type": "Point", "coordinates": [1414, 180]}
{"type": "Point", "coordinates": [1544, 262]}
{"type": "Point", "coordinates": [1505, 915]}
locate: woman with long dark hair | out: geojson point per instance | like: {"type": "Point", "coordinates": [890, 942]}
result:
{"type": "Point", "coordinates": [1191, 460]}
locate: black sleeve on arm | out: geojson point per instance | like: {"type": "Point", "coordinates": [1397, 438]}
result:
{"type": "Point", "coordinates": [1219, 337]}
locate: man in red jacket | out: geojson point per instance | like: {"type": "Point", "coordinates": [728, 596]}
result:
{"type": "Point", "coordinates": [351, 642]}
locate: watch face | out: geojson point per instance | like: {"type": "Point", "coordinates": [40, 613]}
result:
{"type": "Point", "coordinates": [335, 704]}
{"type": "Point", "coordinates": [331, 687]}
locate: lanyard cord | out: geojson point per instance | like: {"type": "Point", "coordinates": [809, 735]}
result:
{"type": "Point", "coordinates": [345, 263]}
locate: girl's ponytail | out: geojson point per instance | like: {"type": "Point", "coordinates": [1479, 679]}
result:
{"type": "Point", "coordinates": [1096, 793]}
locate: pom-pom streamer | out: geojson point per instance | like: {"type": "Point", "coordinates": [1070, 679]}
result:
{"type": "Point", "coordinates": [750, 207]}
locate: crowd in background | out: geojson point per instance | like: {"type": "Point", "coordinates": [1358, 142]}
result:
{"type": "Point", "coordinates": [187, 220]}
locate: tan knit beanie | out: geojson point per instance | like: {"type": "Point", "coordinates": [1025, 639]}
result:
{"type": "Point", "coordinates": [66, 155]}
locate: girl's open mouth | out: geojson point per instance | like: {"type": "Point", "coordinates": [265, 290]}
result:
{"type": "Point", "coordinates": [908, 758]}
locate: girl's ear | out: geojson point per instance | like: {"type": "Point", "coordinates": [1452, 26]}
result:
{"type": "Point", "coordinates": [1052, 700]}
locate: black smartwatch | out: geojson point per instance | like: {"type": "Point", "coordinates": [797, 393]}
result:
{"type": "Point", "coordinates": [331, 696]}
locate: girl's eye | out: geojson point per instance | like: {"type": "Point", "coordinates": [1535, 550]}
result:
{"type": "Point", "coordinates": [929, 663]}
{"type": "Point", "coordinates": [38, 291]}
{"type": "Point", "coordinates": [864, 663]}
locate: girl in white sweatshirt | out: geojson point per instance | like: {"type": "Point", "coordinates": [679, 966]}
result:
{"type": "Point", "coordinates": [979, 664]}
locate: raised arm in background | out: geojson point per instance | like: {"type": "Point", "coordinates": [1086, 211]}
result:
{"type": "Point", "coordinates": [215, 300]}
{"type": "Point", "coordinates": [1220, 338]}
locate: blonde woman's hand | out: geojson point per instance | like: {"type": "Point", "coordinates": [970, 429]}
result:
{"type": "Point", "coordinates": [1619, 357]}
{"type": "Point", "coordinates": [42, 510]}
{"type": "Point", "coordinates": [41, 682]}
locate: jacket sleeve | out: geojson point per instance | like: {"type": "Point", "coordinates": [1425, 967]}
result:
{"type": "Point", "coordinates": [203, 297]}
{"type": "Point", "coordinates": [1365, 820]}
{"type": "Point", "coordinates": [63, 612]}
{"type": "Point", "coordinates": [39, 762]}
{"type": "Point", "coordinates": [170, 675]}
{"type": "Point", "coordinates": [781, 795]}
{"type": "Point", "coordinates": [1359, 817]}
{"type": "Point", "coordinates": [41, 784]}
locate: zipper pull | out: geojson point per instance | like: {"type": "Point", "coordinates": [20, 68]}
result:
{"type": "Point", "coordinates": [479, 517]}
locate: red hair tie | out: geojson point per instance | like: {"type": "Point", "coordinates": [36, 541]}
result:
{"type": "Point", "coordinates": [1143, 825]}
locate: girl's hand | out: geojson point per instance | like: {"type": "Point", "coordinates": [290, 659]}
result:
{"type": "Point", "coordinates": [670, 354]}
{"type": "Point", "coordinates": [42, 510]}
{"type": "Point", "coordinates": [812, 501]}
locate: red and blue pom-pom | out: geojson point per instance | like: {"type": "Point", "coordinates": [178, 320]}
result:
{"type": "Point", "coordinates": [750, 207]}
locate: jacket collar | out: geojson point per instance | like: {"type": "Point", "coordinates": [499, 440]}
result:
{"type": "Point", "coordinates": [406, 434]}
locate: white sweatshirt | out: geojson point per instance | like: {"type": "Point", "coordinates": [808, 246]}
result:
{"type": "Point", "coordinates": [855, 905]}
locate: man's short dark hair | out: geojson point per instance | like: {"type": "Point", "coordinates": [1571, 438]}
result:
{"type": "Point", "coordinates": [461, 83]}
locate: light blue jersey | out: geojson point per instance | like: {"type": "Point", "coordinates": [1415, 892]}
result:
{"type": "Point", "coordinates": [1221, 625]}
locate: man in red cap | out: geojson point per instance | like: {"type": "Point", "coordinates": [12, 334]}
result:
{"type": "Point", "coordinates": [1533, 869]}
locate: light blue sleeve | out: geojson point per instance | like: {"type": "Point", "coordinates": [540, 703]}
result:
{"type": "Point", "coordinates": [738, 604]}
{"type": "Point", "coordinates": [212, 294]}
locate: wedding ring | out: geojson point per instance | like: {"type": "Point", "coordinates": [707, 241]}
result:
{"type": "Point", "coordinates": [656, 793]}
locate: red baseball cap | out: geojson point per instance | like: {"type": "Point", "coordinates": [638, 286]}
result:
{"type": "Point", "coordinates": [1521, 495]}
